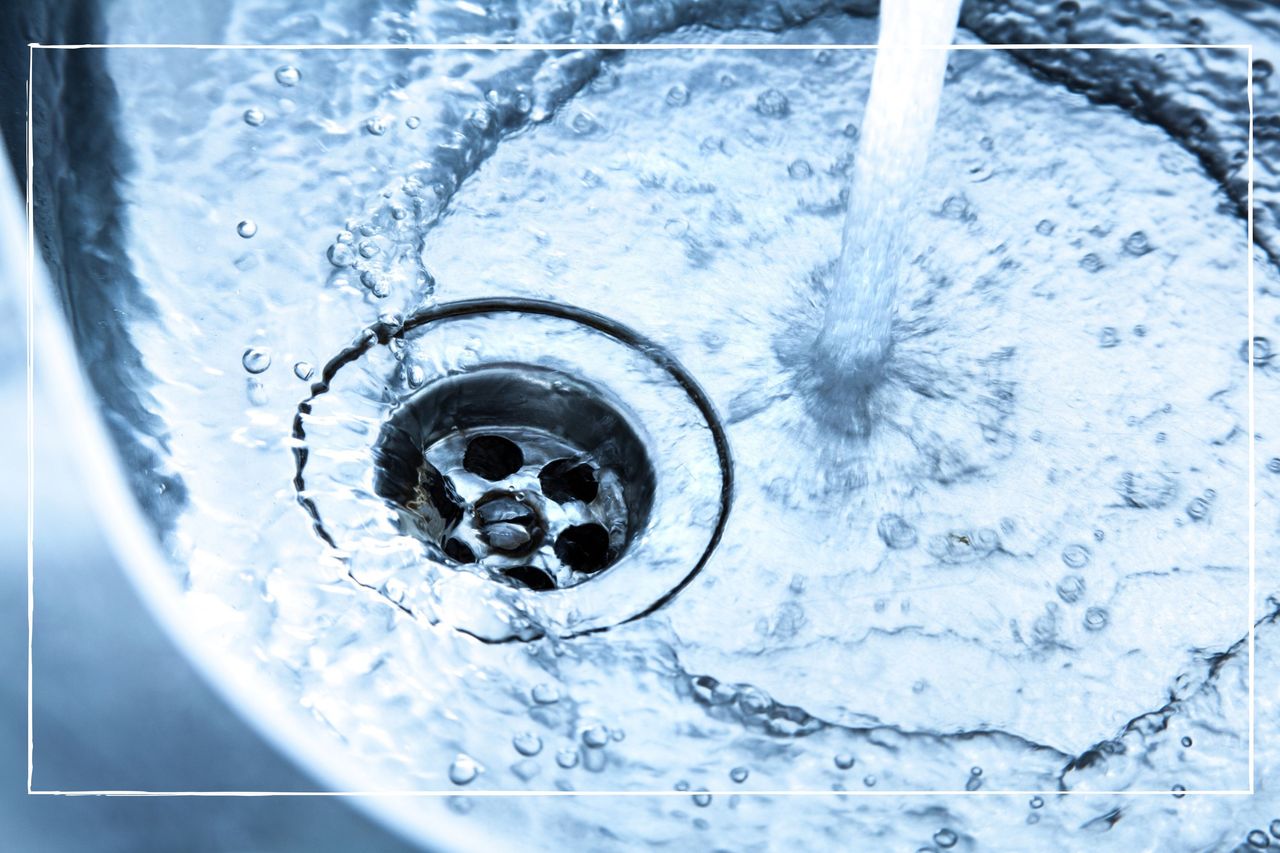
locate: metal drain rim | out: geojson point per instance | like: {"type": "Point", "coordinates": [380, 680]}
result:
{"type": "Point", "coordinates": [383, 332]}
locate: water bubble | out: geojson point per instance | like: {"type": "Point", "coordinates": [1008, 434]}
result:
{"type": "Point", "coordinates": [1274, 465]}
{"type": "Point", "coordinates": [412, 122]}
{"type": "Point", "coordinates": [368, 248]}
{"type": "Point", "coordinates": [844, 761]}
{"type": "Point", "coordinates": [1136, 243]}
{"type": "Point", "coordinates": [1095, 618]}
{"type": "Point", "coordinates": [739, 774]}
{"type": "Point", "coordinates": [702, 798]}
{"type": "Point", "coordinates": [596, 736]}
{"type": "Point", "coordinates": [945, 838]}
{"type": "Point", "coordinates": [546, 694]}
{"type": "Point", "coordinates": [463, 770]}
{"type": "Point", "coordinates": [973, 783]}
{"type": "Point", "coordinates": [1071, 589]}
{"type": "Point", "coordinates": [1044, 227]}
{"type": "Point", "coordinates": [850, 131]}
{"type": "Point", "coordinates": [1186, 741]}
{"type": "Point", "coordinates": [254, 117]}
{"type": "Point", "coordinates": [583, 123]}
{"type": "Point", "coordinates": [677, 95]}
{"type": "Point", "coordinates": [1258, 838]}
{"type": "Point", "coordinates": [1140, 330]}
{"type": "Point", "coordinates": [287, 75]}
{"type": "Point", "coordinates": [896, 531]}
{"type": "Point", "coordinates": [1261, 351]}
{"type": "Point", "coordinates": [247, 228]}
{"type": "Point", "coordinates": [527, 743]}
{"type": "Point", "coordinates": [869, 781]}
{"type": "Point", "coordinates": [303, 370]}
{"type": "Point", "coordinates": [416, 376]}
{"type": "Point", "coordinates": [1037, 802]}
{"type": "Point", "coordinates": [773, 104]}
{"type": "Point", "coordinates": [257, 393]}
{"type": "Point", "coordinates": [1197, 509]}
{"type": "Point", "coordinates": [567, 757]}
{"type": "Point", "coordinates": [1275, 828]}
{"type": "Point", "coordinates": [1179, 791]}
{"type": "Point", "coordinates": [1108, 337]}
{"type": "Point", "coordinates": [399, 213]}
{"type": "Point", "coordinates": [377, 125]}
{"type": "Point", "coordinates": [341, 255]}
{"type": "Point", "coordinates": [975, 771]}
{"type": "Point", "coordinates": [255, 360]}
{"type": "Point", "coordinates": [799, 169]}
{"type": "Point", "coordinates": [1076, 556]}
{"type": "Point", "coordinates": [1091, 262]}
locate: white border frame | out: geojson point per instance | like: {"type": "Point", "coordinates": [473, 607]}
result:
{"type": "Point", "coordinates": [105, 471]}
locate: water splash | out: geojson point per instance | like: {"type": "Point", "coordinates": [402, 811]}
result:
{"type": "Point", "coordinates": [856, 336]}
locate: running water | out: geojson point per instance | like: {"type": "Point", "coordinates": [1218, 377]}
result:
{"type": "Point", "coordinates": [856, 336]}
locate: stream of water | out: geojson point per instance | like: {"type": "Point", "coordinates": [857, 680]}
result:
{"type": "Point", "coordinates": [906, 88]}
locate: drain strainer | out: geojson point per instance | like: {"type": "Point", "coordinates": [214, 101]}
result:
{"type": "Point", "coordinates": [513, 467]}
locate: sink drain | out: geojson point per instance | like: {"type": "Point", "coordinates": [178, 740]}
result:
{"type": "Point", "coordinates": [514, 467]}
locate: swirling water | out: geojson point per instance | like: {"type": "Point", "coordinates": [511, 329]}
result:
{"type": "Point", "coordinates": [1030, 575]}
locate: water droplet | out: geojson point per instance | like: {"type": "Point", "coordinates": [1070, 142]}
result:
{"type": "Point", "coordinates": [596, 736]}
{"type": "Point", "coordinates": [701, 798]}
{"type": "Point", "coordinates": [254, 117]}
{"type": "Point", "coordinates": [368, 248]}
{"type": "Point", "coordinates": [799, 169]}
{"type": "Point", "coordinates": [546, 694]}
{"type": "Point", "coordinates": [463, 770]}
{"type": "Point", "coordinates": [1108, 337]}
{"type": "Point", "coordinates": [773, 104]}
{"type": "Point", "coordinates": [1091, 262]}
{"type": "Point", "coordinates": [1274, 465]}
{"type": "Point", "coordinates": [583, 123]}
{"type": "Point", "coordinates": [567, 757]}
{"type": "Point", "coordinates": [1179, 791]}
{"type": "Point", "coordinates": [1071, 589]}
{"type": "Point", "coordinates": [341, 255]}
{"type": "Point", "coordinates": [1261, 351]}
{"type": "Point", "coordinates": [303, 370]}
{"type": "Point", "coordinates": [1197, 509]}
{"type": "Point", "coordinates": [1037, 802]}
{"type": "Point", "coordinates": [377, 125]}
{"type": "Point", "coordinates": [1095, 618]}
{"type": "Point", "coordinates": [412, 122]}
{"type": "Point", "coordinates": [1136, 243]}
{"type": "Point", "coordinates": [1076, 556]}
{"type": "Point", "coordinates": [247, 228]}
{"type": "Point", "coordinates": [945, 838]}
{"type": "Point", "coordinates": [527, 743]}
{"type": "Point", "coordinates": [1044, 227]}
{"type": "Point", "coordinates": [1258, 838]}
{"type": "Point", "coordinates": [287, 75]}
{"type": "Point", "coordinates": [739, 774]}
{"type": "Point", "coordinates": [255, 360]}
{"type": "Point", "coordinates": [1275, 827]}
{"type": "Point", "coordinates": [1186, 741]}
{"type": "Point", "coordinates": [896, 531]}
{"type": "Point", "coordinates": [677, 96]}
{"type": "Point", "coordinates": [844, 761]}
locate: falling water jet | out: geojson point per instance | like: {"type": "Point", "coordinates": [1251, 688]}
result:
{"type": "Point", "coordinates": [855, 342]}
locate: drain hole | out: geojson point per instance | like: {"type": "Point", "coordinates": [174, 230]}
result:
{"type": "Point", "coordinates": [518, 472]}
{"type": "Point", "coordinates": [493, 457]}
{"type": "Point", "coordinates": [565, 480]}
{"type": "Point", "coordinates": [584, 548]}
{"type": "Point", "coordinates": [532, 577]}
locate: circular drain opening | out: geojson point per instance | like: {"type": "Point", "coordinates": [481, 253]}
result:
{"type": "Point", "coordinates": [512, 468]}
{"type": "Point", "coordinates": [523, 471]}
